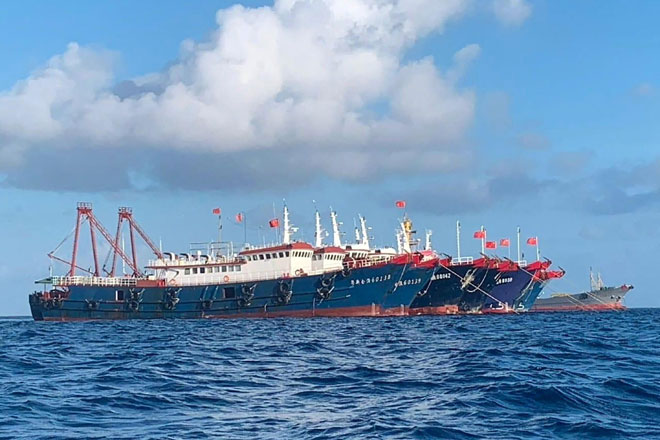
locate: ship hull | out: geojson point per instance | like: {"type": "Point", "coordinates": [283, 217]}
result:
{"type": "Point", "coordinates": [446, 292]}
{"type": "Point", "coordinates": [606, 299]}
{"type": "Point", "coordinates": [399, 300]}
{"type": "Point", "coordinates": [368, 291]}
{"type": "Point", "coordinates": [509, 287]}
{"type": "Point", "coordinates": [528, 298]}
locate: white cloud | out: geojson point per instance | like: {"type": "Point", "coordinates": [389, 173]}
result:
{"type": "Point", "coordinates": [512, 12]}
{"type": "Point", "coordinates": [321, 79]}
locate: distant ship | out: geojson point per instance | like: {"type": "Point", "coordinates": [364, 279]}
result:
{"type": "Point", "coordinates": [599, 298]}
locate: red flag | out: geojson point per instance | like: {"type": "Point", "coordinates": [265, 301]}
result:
{"type": "Point", "coordinates": [505, 242]}
{"type": "Point", "coordinates": [217, 211]}
{"type": "Point", "coordinates": [400, 203]}
{"type": "Point", "coordinates": [491, 245]}
{"type": "Point", "coordinates": [274, 223]}
{"type": "Point", "coordinates": [533, 241]}
{"type": "Point", "coordinates": [239, 217]}
{"type": "Point", "coordinates": [480, 234]}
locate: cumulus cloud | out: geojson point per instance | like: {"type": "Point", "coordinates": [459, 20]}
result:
{"type": "Point", "coordinates": [477, 193]}
{"type": "Point", "coordinates": [308, 87]}
{"type": "Point", "coordinates": [512, 12]}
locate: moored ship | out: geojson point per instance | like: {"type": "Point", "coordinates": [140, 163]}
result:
{"type": "Point", "coordinates": [599, 298]}
{"type": "Point", "coordinates": [541, 279]}
{"type": "Point", "coordinates": [513, 283]}
{"type": "Point", "coordinates": [290, 279]}
{"type": "Point", "coordinates": [457, 286]}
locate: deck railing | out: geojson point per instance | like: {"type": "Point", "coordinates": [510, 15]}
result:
{"type": "Point", "coordinates": [462, 260]}
{"type": "Point", "coordinates": [94, 281]}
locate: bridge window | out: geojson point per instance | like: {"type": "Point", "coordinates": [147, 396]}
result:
{"type": "Point", "coordinates": [267, 256]}
{"type": "Point", "coordinates": [187, 271]}
{"type": "Point", "coordinates": [261, 256]}
{"type": "Point", "coordinates": [224, 268]}
{"type": "Point", "coordinates": [194, 270]}
{"type": "Point", "coordinates": [281, 254]}
{"type": "Point", "coordinates": [238, 268]}
{"type": "Point", "coordinates": [287, 253]}
{"type": "Point", "coordinates": [202, 270]}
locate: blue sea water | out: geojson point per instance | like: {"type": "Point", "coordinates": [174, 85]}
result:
{"type": "Point", "coordinates": [580, 375]}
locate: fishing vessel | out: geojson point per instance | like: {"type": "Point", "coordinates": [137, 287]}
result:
{"type": "Point", "coordinates": [292, 278]}
{"type": "Point", "coordinates": [599, 298]}
{"type": "Point", "coordinates": [513, 283]}
{"type": "Point", "coordinates": [541, 279]}
{"type": "Point", "coordinates": [519, 283]}
{"type": "Point", "coordinates": [457, 286]}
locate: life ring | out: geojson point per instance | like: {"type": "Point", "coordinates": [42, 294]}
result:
{"type": "Point", "coordinates": [226, 278]}
{"type": "Point", "coordinates": [299, 272]}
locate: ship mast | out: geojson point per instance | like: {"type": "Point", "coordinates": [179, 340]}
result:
{"type": "Point", "coordinates": [518, 233]}
{"type": "Point", "coordinates": [318, 230]}
{"type": "Point", "coordinates": [365, 231]}
{"type": "Point", "coordinates": [597, 281]}
{"type": "Point", "coordinates": [286, 238]}
{"type": "Point", "coordinates": [427, 245]}
{"type": "Point", "coordinates": [405, 235]}
{"type": "Point", "coordinates": [289, 229]}
{"type": "Point", "coordinates": [483, 240]}
{"type": "Point", "coordinates": [458, 239]}
{"type": "Point", "coordinates": [336, 236]}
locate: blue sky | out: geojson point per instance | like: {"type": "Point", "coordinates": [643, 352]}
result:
{"type": "Point", "coordinates": [547, 121]}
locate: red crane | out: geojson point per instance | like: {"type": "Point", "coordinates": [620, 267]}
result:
{"type": "Point", "coordinates": [85, 212]}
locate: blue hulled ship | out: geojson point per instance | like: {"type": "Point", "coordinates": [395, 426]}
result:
{"type": "Point", "coordinates": [290, 279]}
{"type": "Point", "coordinates": [457, 286]}
{"type": "Point", "coordinates": [515, 285]}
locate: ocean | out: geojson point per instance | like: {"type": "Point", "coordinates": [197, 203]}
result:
{"type": "Point", "coordinates": [563, 375]}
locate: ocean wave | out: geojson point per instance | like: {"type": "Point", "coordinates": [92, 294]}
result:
{"type": "Point", "coordinates": [458, 377]}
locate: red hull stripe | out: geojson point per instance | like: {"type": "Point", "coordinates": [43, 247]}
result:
{"type": "Point", "coordinates": [576, 308]}
{"type": "Point", "coordinates": [358, 311]}
{"type": "Point", "coordinates": [444, 310]}
{"type": "Point", "coordinates": [489, 311]}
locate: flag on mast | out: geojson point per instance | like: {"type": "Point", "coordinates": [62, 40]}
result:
{"type": "Point", "coordinates": [491, 245]}
{"type": "Point", "coordinates": [505, 242]}
{"type": "Point", "coordinates": [239, 217]}
{"type": "Point", "coordinates": [400, 203]}
{"type": "Point", "coordinates": [533, 241]}
{"type": "Point", "coordinates": [217, 211]}
{"type": "Point", "coordinates": [274, 223]}
{"type": "Point", "coordinates": [480, 234]}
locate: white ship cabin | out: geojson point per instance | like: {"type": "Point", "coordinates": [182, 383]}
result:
{"type": "Point", "coordinates": [329, 258]}
{"type": "Point", "coordinates": [356, 252]}
{"type": "Point", "coordinates": [286, 260]}
{"type": "Point", "coordinates": [383, 254]}
{"type": "Point", "coordinates": [293, 259]}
